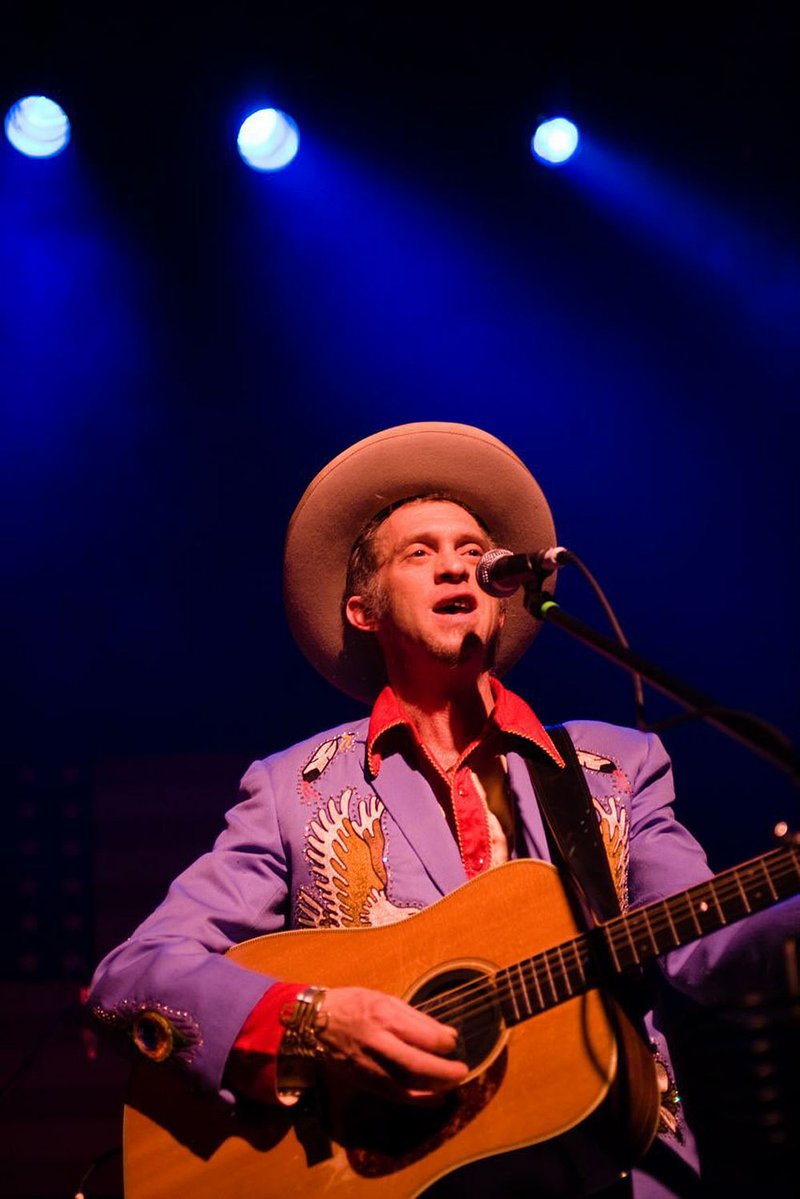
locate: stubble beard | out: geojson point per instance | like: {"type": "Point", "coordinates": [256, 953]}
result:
{"type": "Point", "coordinates": [457, 655]}
{"type": "Point", "coordinates": [450, 654]}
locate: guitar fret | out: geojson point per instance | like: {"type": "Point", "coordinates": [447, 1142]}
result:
{"type": "Point", "coordinates": [579, 963]}
{"type": "Point", "coordinates": [718, 906]}
{"type": "Point", "coordinates": [512, 996]}
{"type": "Point", "coordinates": [545, 957]}
{"type": "Point", "coordinates": [709, 920]}
{"type": "Point", "coordinates": [784, 873]}
{"type": "Point", "coordinates": [665, 907]}
{"type": "Point", "coordinates": [754, 885]}
{"type": "Point", "coordinates": [732, 896]}
{"type": "Point", "coordinates": [651, 934]}
{"type": "Point", "coordinates": [626, 924]}
{"type": "Point", "coordinates": [539, 995]}
{"type": "Point", "coordinates": [564, 970]}
{"type": "Point", "coordinates": [742, 892]}
{"type": "Point", "coordinates": [641, 936]}
{"type": "Point", "coordinates": [768, 877]}
{"type": "Point", "coordinates": [682, 918]}
{"type": "Point", "coordinates": [698, 926]}
{"type": "Point", "coordinates": [608, 932]}
{"type": "Point", "coordinates": [524, 989]}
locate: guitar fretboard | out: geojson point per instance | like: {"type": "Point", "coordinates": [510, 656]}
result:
{"type": "Point", "coordinates": [547, 979]}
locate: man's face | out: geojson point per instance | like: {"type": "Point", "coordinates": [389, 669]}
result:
{"type": "Point", "coordinates": [428, 600]}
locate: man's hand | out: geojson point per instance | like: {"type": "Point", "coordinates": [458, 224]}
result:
{"type": "Point", "coordinates": [387, 1046]}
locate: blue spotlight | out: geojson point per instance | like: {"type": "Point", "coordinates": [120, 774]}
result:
{"type": "Point", "coordinates": [38, 127]}
{"type": "Point", "coordinates": [555, 141]}
{"type": "Point", "coordinates": [268, 140]}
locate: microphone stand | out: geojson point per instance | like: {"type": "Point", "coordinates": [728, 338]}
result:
{"type": "Point", "coordinates": [741, 726]}
{"type": "Point", "coordinates": [731, 1048]}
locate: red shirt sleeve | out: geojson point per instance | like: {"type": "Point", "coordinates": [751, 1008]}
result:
{"type": "Point", "coordinates": [253, 1060]}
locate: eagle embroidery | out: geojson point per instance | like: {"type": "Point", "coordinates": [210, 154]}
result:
{"type": "Point", "coordinates": [346, 857]}
{"type": "Point", "coordinates": [613, 817]}
{"type": "Point", "coordinates": [614, 831]}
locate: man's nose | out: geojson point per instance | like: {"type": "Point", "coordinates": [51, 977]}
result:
{"type": "Point", "coordinates": [451, 565]}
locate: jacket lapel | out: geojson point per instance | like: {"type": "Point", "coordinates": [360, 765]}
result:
{"type": "Point", "coordinates": [412, 805]}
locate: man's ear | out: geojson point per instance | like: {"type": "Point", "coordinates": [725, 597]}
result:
{"type": "Point", "coordinates": [357, 614]}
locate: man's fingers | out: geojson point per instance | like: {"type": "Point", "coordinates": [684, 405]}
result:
{"type": "Point", "coordinates": [417, 1028]}
{"type": "Point", "coordinates": [413, 1067]}
{"type": "Point", "coordinates": [390, 1044]}
{"type": "Point", "coordinates": [358, 1012]}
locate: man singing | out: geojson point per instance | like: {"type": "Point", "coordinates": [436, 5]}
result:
{"type": "Point", "coordinates": [367, 824]}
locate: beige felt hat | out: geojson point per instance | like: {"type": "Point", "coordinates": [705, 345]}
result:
{"type": "Point", "coordinates": [408, 460]}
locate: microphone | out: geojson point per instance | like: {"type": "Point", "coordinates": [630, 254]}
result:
{"type": "Point", "coordinates": [501, 573]}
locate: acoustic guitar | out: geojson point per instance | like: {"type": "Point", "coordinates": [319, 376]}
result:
{"type": "Point", "coordinates": [554, 1063]}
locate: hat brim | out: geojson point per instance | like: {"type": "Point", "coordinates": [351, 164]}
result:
{"type": "Point", "coordinates": [408, 460]}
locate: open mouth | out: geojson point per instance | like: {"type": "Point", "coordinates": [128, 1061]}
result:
{"type": "Point", "coordinates": [456, 605]}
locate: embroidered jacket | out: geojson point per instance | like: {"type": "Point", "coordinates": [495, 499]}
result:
{"type": "Point", "coordinates": [318, 840]}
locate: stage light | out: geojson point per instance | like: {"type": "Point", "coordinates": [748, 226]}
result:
{"type": "Point", "coordinates": [37, 127]}
{"type": "Point", "coordinates": [268, 140]}
{"type": "Point", "coordinates": [555, 141]}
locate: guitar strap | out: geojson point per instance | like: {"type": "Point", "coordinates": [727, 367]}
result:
{"type": "Point", "coordinates": [571, 819]}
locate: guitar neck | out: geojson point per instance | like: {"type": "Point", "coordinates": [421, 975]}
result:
{"type": "Point", "coordinates": [540, 982]}
{"type": "Point", "coordinates": [646, 932]}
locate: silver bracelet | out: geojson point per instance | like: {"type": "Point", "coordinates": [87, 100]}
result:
{"type": "Point", "coordinates": [302, 1021]}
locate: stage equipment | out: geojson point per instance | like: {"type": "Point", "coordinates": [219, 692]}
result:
{"type": "Point", "coordinates": [268, 140]}
{"type": "Point", "coordinates": [555, 141]}
{"type": "Point", "coordinates": [37, 127]}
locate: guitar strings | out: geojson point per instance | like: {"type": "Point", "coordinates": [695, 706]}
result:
{"type": "Point", "coordinates": [661, 917]}
{"type": "Point", "coordinates": [468, 999]}
{"type": "Point", "coordinates": [462, 1001]}
{"type": "Point", "coordinates": [725, 889]}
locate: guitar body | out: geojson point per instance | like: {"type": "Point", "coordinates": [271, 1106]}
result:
{"type": "Point", "coordinates": [576, 1080]}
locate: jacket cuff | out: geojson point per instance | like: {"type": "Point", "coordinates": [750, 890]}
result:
{"type": "Point", "coordinates": [253, 1059]}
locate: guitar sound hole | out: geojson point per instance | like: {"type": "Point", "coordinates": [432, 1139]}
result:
{"type": "Point", "coordinates": [464, 997]}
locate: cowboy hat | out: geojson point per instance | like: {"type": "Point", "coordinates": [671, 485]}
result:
{"type": "Point", "coordinates": [465, 463]}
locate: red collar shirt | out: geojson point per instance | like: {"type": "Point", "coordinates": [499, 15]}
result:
{"type": "Point", "coordinates": [473, 791]}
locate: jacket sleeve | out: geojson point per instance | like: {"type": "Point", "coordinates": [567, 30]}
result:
{"type": "Point", "coordinates": [169, 986]}
{"type": "Point", "coordinates": [665, 859]}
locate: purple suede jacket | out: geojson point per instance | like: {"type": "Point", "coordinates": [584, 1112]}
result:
{"type": "Point", "coordinates": [274, 867]}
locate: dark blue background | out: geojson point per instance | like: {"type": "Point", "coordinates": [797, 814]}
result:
{"type": "Point", "coordinates": [185, 343]}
